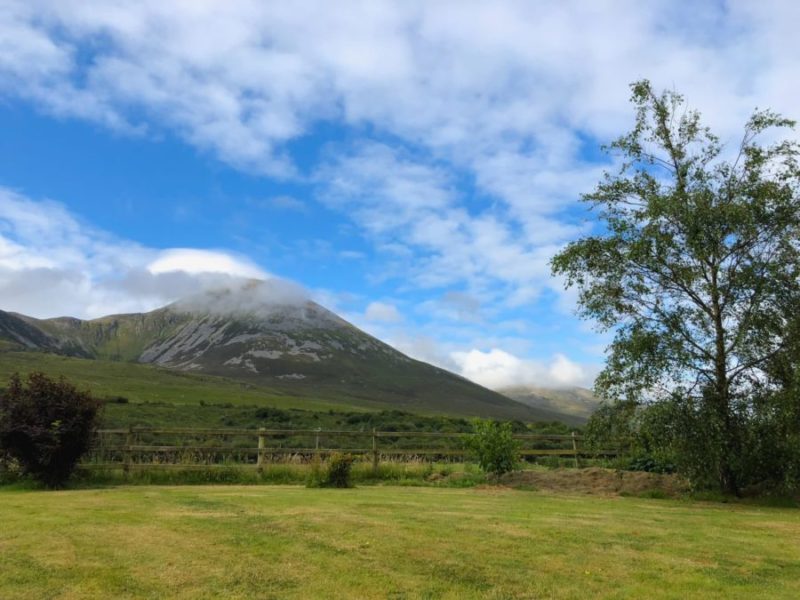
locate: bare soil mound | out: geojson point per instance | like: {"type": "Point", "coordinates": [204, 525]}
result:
{"type": "Point", "coordinates": [595, 480]}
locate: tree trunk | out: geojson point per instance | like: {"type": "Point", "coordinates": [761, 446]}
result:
{"type": "Point", "coordinates": [728, 479]}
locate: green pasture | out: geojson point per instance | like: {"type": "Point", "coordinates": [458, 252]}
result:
{"type": "Point", "coordinates": [144, 395]}
{"type": "Point", "coordinates": [140, 383]}
{"type": "Point", "coordinates": [388, 542]}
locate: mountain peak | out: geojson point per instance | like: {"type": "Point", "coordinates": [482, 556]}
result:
{"type": "Point", "coordinates": [276, 304]}
{"type": "Point", "coordinates": [272, 336]}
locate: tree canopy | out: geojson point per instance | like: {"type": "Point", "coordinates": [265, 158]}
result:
{"type": "Point", "coordinates": [696, 273]}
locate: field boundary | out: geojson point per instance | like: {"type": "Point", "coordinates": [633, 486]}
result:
{"type": "Point", "coordinates": [174, 447]}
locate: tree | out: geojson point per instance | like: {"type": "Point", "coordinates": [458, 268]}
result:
{"type": "Point", "coordinates": [696, 272]}
{"type": "Point", "coordinates": [494, 446]}
{"type": "Point", "coordinates": [47, 426]}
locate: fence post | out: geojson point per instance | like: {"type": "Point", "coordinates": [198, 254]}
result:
{"type": "Point", "coordinates": [262, 443]}
{"type": "Point", "coordinates": [575, 449]}
{"type": "Point", "coordinates": [127, 456]}
{"type": "Point", "coordinates": [374, 452]}
{"type": "Point", "coordinates": [98, 454]}
{"type": "Point", "coordinates": [316, 439]}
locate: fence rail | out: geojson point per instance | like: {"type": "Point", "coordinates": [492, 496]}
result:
{"type": "Point", "coordinates": [174, 447]}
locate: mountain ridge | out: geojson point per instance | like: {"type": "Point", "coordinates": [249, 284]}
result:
{"type": "Point", "coordinates": [575, 403]}
{"type": "Point", "coordinates": [298, 346]}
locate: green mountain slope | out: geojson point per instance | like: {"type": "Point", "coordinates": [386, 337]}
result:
{"type": "Point", "coordinates": [297, 354]}
{"type": "Point", "coordinates": [140, 384]}
{"type": "Point", "coordinates": [574, 404]}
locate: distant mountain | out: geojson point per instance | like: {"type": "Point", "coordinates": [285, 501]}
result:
{"type": "Point", "coordinates": [574, 404]}
{"type": "Point", "coordinates": [256, 336]}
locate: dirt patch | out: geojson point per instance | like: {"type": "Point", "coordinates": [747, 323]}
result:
{"type": "Point", "coordinates": [595, 480]}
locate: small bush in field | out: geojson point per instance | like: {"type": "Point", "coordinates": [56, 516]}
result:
{"type": "Point", "coordinates": [46, 426]}
{"type": "Point", "coordinates": [494, 446]}
{"type": "Point", "coordinates": [337, 473]}
{"type": "Point", "coordinates": [9, 469]}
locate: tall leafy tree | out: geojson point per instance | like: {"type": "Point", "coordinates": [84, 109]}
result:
{"type": "Point", "coordinates": [696, 272]}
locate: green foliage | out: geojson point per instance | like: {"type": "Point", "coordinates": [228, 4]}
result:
{"type": "Point", "coordinates": [10, 470]}
{"type": "Point", "coordinates": [650, 464]}
{"type": "Point", "coordinates": [339, 471]}
{"type": "Point", "coordinates": [611, 423]}
{"type": "Point", "coordinates": [403, 473]}
{"type": "Point", "coordinates": [335, 473]}
{"type": "Point", "coordinates": [696, 274]}
{"type": "Point", "coordinates": [494, 446]}
{"type": "Point", "coordinates": [46, 426]}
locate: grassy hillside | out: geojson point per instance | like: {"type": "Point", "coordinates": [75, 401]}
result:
{"type": "Point", "coordinates": [145, 383]}
{"type": "Point", "coordinates": [153, 396]}
{"type": "Point", "coordinates": [575, 404]}
{"type": "Point", "coordinates": [388, 542]}
{"type": "Point", "coordinates": [289, 356]}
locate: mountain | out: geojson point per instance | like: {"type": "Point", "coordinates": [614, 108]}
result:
{"type": "Point", "coordinates": [257, 336]}
{"type": "Point", "coordinates": [574, 404]}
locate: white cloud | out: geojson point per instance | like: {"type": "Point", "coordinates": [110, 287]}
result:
{"type": "Point", "coordinates": [497, 369]}
{"type": "Point", "coordinates": [421, 347]}
{"type": "Point", "coordinates": [452, 306]}
{"type": "Point", "coordinates": [489, 115]}
{"type": "Point", "coordinates": [480, 84]}
{"type": "Point", "coordinates": [507, 95]}
{"type": "Point", "coordinates": [396, 197]}
{"type": "Point", "coordinates": [385, 189]}
{"type": "Point", "coordinates": [458, 347]}
{"type": "Point", "coordinates": [193, 262]}
{"type": "Point", "coordinates": [51, 264]}
{"type": "Point", "coordinates": [382, 312]}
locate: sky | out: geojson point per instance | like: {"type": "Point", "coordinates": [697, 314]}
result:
{"type": "Point", "coordinates": [412, 166]}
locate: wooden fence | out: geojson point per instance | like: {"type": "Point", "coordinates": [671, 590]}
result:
{"type": "Point", "coordinates": [140, 447]}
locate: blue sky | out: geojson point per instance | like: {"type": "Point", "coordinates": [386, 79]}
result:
{"type": "Point", "coordinates": [412, 165]}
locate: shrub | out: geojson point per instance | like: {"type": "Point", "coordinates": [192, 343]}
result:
{"type": "Point", "coordinates": [494, 446]}
{"type": "Point", "coordinates": [9, 468]}
{"type": "Point", "coordinates": [46, 426]}
{"type": "Point", "coordinates": [274, 414]}
{"type": "Point", "coordinates": [650, 464]}
{"type": "Point", "coordinates": [339, 471]}
{"type": "Point", "coordinates": [336, 474]}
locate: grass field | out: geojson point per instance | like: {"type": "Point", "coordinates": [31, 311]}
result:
{"type": "Point", "coordinates": [156, 397]}
{"type": "Point", "coordinates": [146, 383]}
{"type": "Point", "coordinates": [388, 542]}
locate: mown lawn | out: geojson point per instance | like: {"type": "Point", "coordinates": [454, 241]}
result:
{"type": "Point", "coordinates": [388, 542]}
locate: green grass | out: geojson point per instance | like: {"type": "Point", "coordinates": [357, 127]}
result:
{"type": "Point", "coordinates": [163, 398]}
{"type": "Point", "coordinates": [145, 383]}
{"type": "Point", "coordinates": [388, 542]}
{"type": "Point", "coordinates": [417, 473]}
{"type": "Point", "coordinates": [141, 383]}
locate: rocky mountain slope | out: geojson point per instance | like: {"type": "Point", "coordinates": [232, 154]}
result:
{"type": "Point", "coordinates": [292, 345]}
